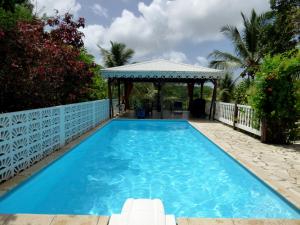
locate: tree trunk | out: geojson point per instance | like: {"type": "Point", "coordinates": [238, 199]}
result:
{"type": "Point", "coordinates": [264, 130]}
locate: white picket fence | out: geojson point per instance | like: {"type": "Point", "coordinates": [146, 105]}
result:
{"type": "Point", "coordinates": [28, 136]}
{"type": "Point", "coordinates": [245, 117]}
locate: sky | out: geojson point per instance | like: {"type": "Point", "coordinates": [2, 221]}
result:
{"type": "Point", "coordinates": [183, 31]}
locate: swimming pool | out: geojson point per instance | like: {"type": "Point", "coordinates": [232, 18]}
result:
{"type": "Point", "coordinates": [169, 160]}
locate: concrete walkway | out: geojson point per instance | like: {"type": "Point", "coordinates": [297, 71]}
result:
{"type": "Point", "coordinates": [278, 166]}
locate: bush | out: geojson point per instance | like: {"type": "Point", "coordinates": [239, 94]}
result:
{"type": "Point", "coordinates": [42, 67]}
{"type": "Point", "coordinates": [276, 97]}
{"type": "Point", "coordinates": [242, 91]}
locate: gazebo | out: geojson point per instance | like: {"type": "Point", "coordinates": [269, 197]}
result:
{"type": "Point", "coordinates": [160, 72]}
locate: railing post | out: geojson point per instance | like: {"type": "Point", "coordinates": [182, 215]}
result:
{"type": "Point", "coordinates": [235, 115]}
{"type": "Point", "coordinates": [62, 125]}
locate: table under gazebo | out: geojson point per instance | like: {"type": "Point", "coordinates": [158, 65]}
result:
{"type": "Point", "coordinates": [160, 72]}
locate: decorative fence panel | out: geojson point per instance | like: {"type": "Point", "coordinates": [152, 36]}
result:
{"type": "Point", "coordinates": [225, 112]}
{"type": "Point", "coordinates": [245, 116]}
{"type": "Point", "coordinates": [246, 120]}
{"type": "Point", "coordinates": [28, 136]}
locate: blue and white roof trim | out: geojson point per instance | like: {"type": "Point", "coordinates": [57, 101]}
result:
{"type": "Point", "coordinates": [162, 69]}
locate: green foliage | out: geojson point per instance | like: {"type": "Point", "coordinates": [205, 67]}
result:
{"type": "Point", "coordinates": [246, 45]}
{"type": "Point", "coordinates": [276, 96]}
{"type": "Point", "coordinates": [143, 91]}
{"type": "Point", "coordinates": [226, 87]}
{"type": "Point", "coordinates": [10, 5]}
{"type": "Point", "coordinates": [118, 55]}
{"type": "Point", "coordinates": [281, 28]}
{"type": "Point", "coordinates": [98, 88]}
{"type": "Point", "coordinates": [242, 91]}
{"type": "Point", "coordinates": [8, 19]}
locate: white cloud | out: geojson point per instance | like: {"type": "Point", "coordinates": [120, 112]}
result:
{"type": "Point", "coordinates": [93, 37]}
{"type": "Point", "coordinates": [174, 56]}
{"type": "Point", "coordinates": [99, 10]}
{"type": "Point", "coordinates": [49, 7]}
{"type": "Point", "coordinates": [202, 61]}
{"type": "Point", "coordinates": [163, 25]}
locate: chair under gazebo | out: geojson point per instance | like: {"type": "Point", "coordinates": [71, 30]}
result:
{"type": "Point", "coordinates": [160, 72]}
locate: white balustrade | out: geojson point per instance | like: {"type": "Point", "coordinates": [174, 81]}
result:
{"type": "Point", "coordinates": [246, 120]}
{"type": "Point", "coordinates": [245, 116]}
{"type": "Point", "coordinates": [28, 136]}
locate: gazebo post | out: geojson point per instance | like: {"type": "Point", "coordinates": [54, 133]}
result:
{"type": "Point", "coordinates": [190, 87]}
{"type": "Point", "coordinates": [128, 85]}
{"type": "Point", "coordinates": [111, 111]}
{"type": "Point", "coordinates": [212, 109]}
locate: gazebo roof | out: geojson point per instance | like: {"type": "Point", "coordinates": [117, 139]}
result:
{"type": "Point", "coordinates": [161, 69]}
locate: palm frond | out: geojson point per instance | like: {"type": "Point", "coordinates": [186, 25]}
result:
{"type": "Point", "coordinates": [234, 35]}
{"type": "Point", "coordinates": [118, 54]}
{"type": "Point", "coordinates": [224, 60]}
{"type": "Point", "coordinates": [252, 28]}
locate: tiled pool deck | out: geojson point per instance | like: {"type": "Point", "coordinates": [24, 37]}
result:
{"type": "Point", "coordinates": [278, 166]}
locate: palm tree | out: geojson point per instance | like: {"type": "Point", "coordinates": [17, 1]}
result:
{"type": "Point", "coordinates": [118, 54]}
{"type": "Point", "coordinates": [226, 87]}
{"type": "Point", "coordinates": [247, 47]}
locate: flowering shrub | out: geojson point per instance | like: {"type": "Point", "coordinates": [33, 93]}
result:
{"type": "Point", "coordinates": [40, 64]}
{"type": "Point", "coordinates": [276, 96]}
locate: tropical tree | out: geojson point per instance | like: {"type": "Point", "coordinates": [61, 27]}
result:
{"type": "Point", "coordinates": [246, 44]}
{"type": "Point", "coordinates": [40, 67]}
{"type": "Point", "coordinates": [11, 13]}
{"type": "Point", "coordinates": [242, 91]}
{"type": "Point", "coordinates": [10, 5]}
{"type": "Point", "coordinates": [281, 29]}
{"type": "Point", "coordinates": [226, 87]}
{"type": "Point", "coordinates": [98, 88]}
{"type": "Point", "coordinates": [117, 55]}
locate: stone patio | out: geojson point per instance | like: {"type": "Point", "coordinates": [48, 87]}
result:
{"type": "Point", "coordinates": [277, 165]}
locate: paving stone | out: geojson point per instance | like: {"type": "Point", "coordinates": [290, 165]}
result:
{"type": "Point", "coordinates": [290, 222]}
{"type": "Point", "coordinates": [103, 220]}
{"type": "Point", "coordinates": [74, 220]}
{"type": "Point", "coordinates": [202, 221]}
{"type": "Point", "coordinates": [28, 219]}
{"type": "Point", "coordinates": [257, 222]}
{"type": "Point", "coordinates": [182, 221]}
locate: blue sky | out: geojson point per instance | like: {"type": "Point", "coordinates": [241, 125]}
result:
{"type": "Point", "coordinates": [179, 30]}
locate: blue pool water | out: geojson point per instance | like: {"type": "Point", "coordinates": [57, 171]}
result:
{"type": "Point", "coordinates": [169, 160]}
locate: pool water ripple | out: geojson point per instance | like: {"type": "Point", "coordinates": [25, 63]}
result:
{"type": "Point", "coordinates": [169, 160]}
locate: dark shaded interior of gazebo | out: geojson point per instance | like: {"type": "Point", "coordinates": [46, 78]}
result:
{"type": "Point", "coordinates": [128, 84]}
